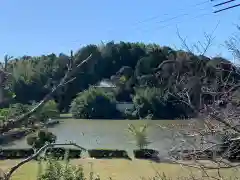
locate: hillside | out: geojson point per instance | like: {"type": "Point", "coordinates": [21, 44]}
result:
{"type": "Point", "coordinates": [161, 82]}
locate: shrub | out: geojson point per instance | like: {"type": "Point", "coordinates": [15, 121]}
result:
{"type": "Point", "coordinates": [139, 135]}
{"type": "Point", "coordinates": [108, 153]}
{"type": "Point", "coordinates": [56, 170]}
{"type": "Point", "coordinates": [94, 104]}
{"type": "Point", "coordinates": [17, 109]}
{"type": "Point", "coordinates": [145, 153]}
{"type": "Point", "coordinates": [49, 110]}
{"type": "Point", "coordinates": [4, 114]}
{"type": "Point", "coordinates": [159, 104]}
{"type": "Point", "coordinates": [59, 153]}
{"type": "Point", "coordinates": [40, 138]}
{"type": "Point", "coordinates": [15, 153]}
{"type": "Point", "coordinates": [56, 153]}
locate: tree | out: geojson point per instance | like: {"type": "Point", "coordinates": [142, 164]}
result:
{"type": "Point", "coordinates": [159, 103]}
{"type": "Point", "coordinates": [214, 135]}
{"type": "Point", "coordinates": [49, 110]}
{"type": "Point", "coordinates": [94, 104]}
{"type": "Point", "coordinates": [68, 77]}
{"type": "Point", "coordinates": [139, 135]}
{"type": "Point", "coordinates": [5, 81]}
{"type": "Point", "coordinates": [181, 78]}
{"type": "Point", "coordinates": [40, 138]}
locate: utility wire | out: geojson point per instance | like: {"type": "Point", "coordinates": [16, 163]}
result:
{"type": "Point", "coordinates": [175, 23]}
{"type": "Point", "coordinates": [217, 11]}
{"type": "Point", "coordinates": [134, 25]}
{"type": "Point", "coordinates": [174, 18]}
{"type": "Point", "coordinates": [157, 16]}
{"type": "Point", "coordinates": [171, 19]}
{"type": "Point", "coordinates": [214, 0]}
{"type": "Point", "coordinates": [223, 3]}
{"type": "Point", "coordinates": [226, 2]}
{"type": "Point", "coordinates": [179, 16]}
{"type": "Point", "coordinates": [180, 21]}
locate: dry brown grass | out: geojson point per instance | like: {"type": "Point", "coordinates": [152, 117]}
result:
{"type": "Point", "coordinates": [116, 169]}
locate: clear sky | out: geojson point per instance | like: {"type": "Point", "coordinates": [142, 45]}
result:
{"type": "Point", "coordinates": [30, 27]}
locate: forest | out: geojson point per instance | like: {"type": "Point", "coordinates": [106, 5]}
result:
{"type": "Point", "coordinates": [162, 83]}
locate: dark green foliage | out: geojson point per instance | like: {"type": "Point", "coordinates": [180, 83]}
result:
{"type": "Point", "coordinates": [107, 153]}
{"type": "Point", "coordinates": [129, 66]}
{"type": "Point", "coordinates": [4, 114]}
{"type": "Point", "coordinates": [56, 153]}
{"type": "Point", "coordinates": [18, 109]}
{"type": "Point", "coordinates": [145, 153]}
{"type": "Point", "coordinates": [94, 104]}
{"type": "Point", "coordinates": [159, 103]}
{"type": "Point", "coordinates": [40, 138]}
{"type": "Point", "coordinates": [15, 153]}
{"type": "Point", "coordinates": [140, 135]}
{"type": "Point", "coordinates": [49, 110]}
{"type": "Point", "coordinates": [61, 153]}
{"type": "Point", "coordinates": [56, 170]}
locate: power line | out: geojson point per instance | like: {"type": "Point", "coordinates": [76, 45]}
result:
{"type": "Point", "coordinates": [134, 25]}
{"type": "Point", "coordinates": [175, 23]}
{"type": "Point", "coordinates": [173, 18]}
{"type": "Point", "coordinates": [179, 16]}
{"type": "Point", "coordinates": [237, 5]}
{"type": "Point", "coordinates": [157, 16]}
{"type": "Point", "coordinates": [224, 3]}
{"type": "Point", "coordinates": [178, 22]}
{"type": "Point", "coordinates": [195, 17]}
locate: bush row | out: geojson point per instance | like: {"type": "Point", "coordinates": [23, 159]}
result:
{"type": "Point", "coordinates": [108, 153]}
{"type": "Point", "coordinates": [146, 154]}
{"type": "Point", "coordinates": [15, 153]}
{"type": "Point", "coordinates": [60, 153]}
{"type": "Point", "coordinates": [57, 153]}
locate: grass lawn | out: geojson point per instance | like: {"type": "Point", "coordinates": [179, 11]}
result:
{"type": "Point", "coordinates": [116, 169]}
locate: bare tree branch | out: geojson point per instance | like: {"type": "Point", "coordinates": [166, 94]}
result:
{"type": "Point", "coordinates": [35, 155]}
{"type": "Point", "coordinates": [71, 70]}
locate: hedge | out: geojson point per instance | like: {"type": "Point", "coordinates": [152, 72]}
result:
{"type": "Point", "coordinates": [146, 154]}
{"type": "Point", "coordinates": [194, 154]}
{"type": "Point", "coordinates": [59, 153]}
{"type": "Point", "coordinates": [108, 153]}
{"type": "Point", "coordinates": [16, 153]}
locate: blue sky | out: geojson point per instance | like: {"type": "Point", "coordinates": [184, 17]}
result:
{"type": "Point", "coordinates": [39, 27]}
